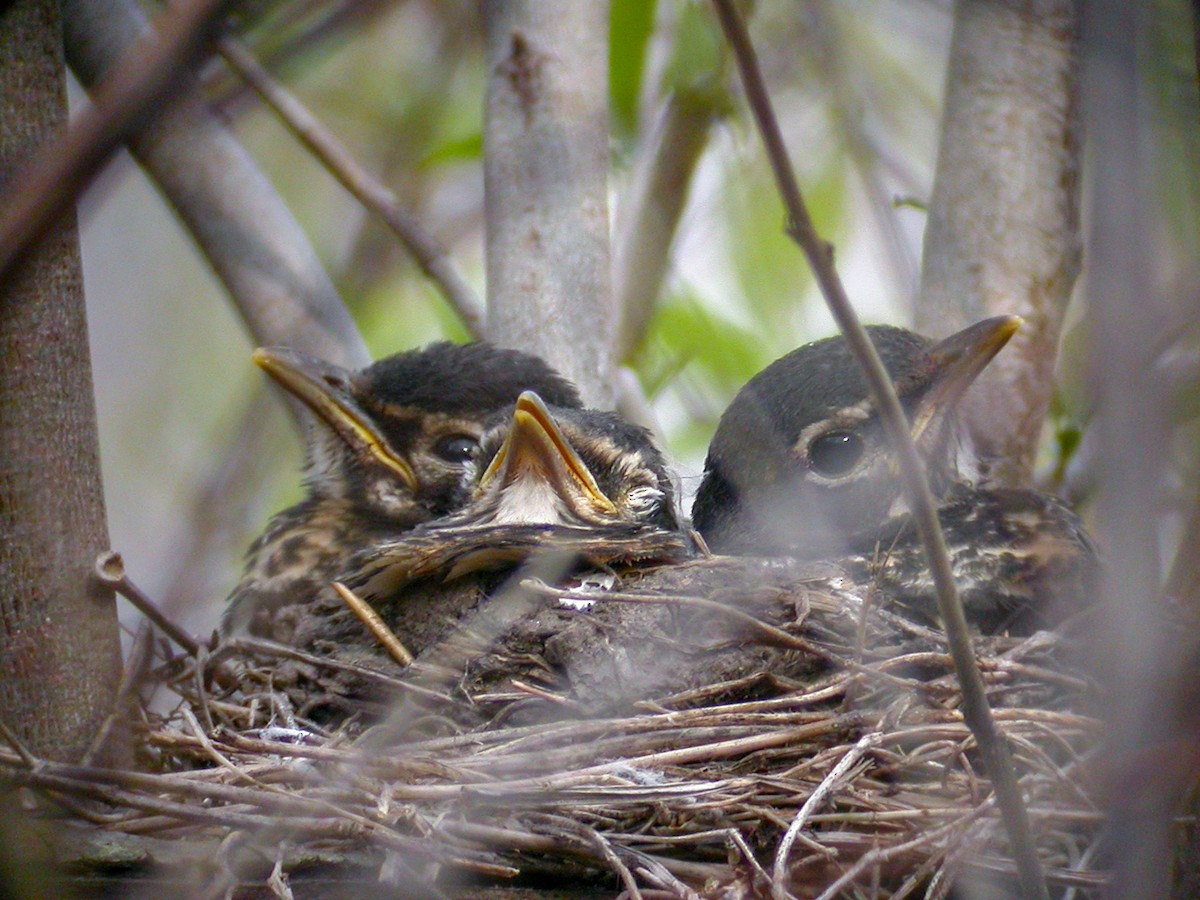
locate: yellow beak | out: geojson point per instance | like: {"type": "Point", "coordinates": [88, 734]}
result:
{"type": "Point", "coordinates": [535, 447]}
{"type": "Point", "coordinates": [960, 359]}
{"type": "Point", "coordinates": [326, 390]}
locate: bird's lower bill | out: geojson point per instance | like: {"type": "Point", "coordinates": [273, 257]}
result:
{"type": "Point", "coordinates": [324, 388]}
{"type": "Point", "coordinates": [538, 478]}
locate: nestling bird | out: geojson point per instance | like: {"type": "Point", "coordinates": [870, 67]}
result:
{"type": "Point", "coordinates": [547, 477]}
{"type": "Point", "coordinates": [564, 466]}
{"type": "Point", "coordinates": [1022, 559]}
{"type": "Point", "coordinates": [570, 487]}
{"type": "Point", "coordinates": [800, 466]}
{"type": "Point", "coordinates": [387, 449]}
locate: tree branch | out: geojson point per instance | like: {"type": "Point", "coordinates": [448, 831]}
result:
{"type": "Point", "coordinates": [60, 649]}
{"type": "Point", "coordinates": [373, 194]}
{"type": "Point", "coordinates": [916, 490]}
{"type": "Point", "coordinates": [646, 231]}
{"type": "Point", "coordinates": [45, 185]}
{"type": "Point", "coordinates": [545, 186]}
{"type": "Point", "coordinates": [236, 217]}
{"type": "Point", "coordinates": [1003, 234]}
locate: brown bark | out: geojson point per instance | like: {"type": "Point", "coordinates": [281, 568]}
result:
{"type": "Point", "coordinates": [59, 646]}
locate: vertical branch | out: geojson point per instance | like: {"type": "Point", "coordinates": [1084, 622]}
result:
{"type": "Point", "coordinates": [1129, 317]}
{"type": "Point", "coordinates": [253, 242]}
{"type": "Point", "coordinates": [660, 188]}
{"type": "Point", "coordinates": [800, 228]}
{"type": "Point", "coordinates": [1003, 232]}
{"type": "Point", "coordinates": [545, 184]}
{"type": "Point", "coordinates": [47, 183]}
{"type": "Point", "coordinates": [60, 654]}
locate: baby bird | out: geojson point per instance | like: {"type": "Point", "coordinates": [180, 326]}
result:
{"type": "Point", "coordinates": [547, 477]}
{"type": "Point", "coordinates": [561, 487]}
{"type": "Point", "coordinates": [800, 466]}
{"type": "Point", "coordinates": [387, 449]}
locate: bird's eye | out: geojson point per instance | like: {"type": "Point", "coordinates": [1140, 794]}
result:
{"type": "Point", "coordinates": [458, 448]}
{"type": "Point", "coordinates": [835, 452]}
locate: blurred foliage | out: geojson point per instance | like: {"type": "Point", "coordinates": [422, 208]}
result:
{"type": "Point", "coordinates": [698, 55]}
{"type": "Point", "coordinates": [858, 86]}
{"type": "Point", "coordinates": [1169, 143]}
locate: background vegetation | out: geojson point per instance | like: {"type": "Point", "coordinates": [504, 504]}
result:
{"type": "Point", "coordinates": [196, 455]}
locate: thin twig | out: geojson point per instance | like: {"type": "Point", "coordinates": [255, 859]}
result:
{"type": "Point", "coordinates": [136, 666]}
{"type": "Point", "coordinates": [875, 857]}
{"type": "Point", "coordinates": [601, 846]}
{"type": "Point", "coordinates": [270, 648]}
{"type": "Point", "coordinates": [375, 624]}
{"type": "Point", "coordinates": [831, 781]}
{"type": "Point", "coordinates": [368, 190]}
{"type": "Point", "coordinates": [62, 165]}
{"type": "Point", "coordinates": [110, 570]}
{"type": "Point", "coordinates": [18, 746]}
{"type": "Point", "coordinates": [767, 633]}
{"type": "Point", "coordinates": [916, 488]}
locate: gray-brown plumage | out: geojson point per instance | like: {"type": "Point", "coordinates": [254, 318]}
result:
{"type": "Point", "coordinates": [561, 488]}
{"type": "Point", "coordinates": [387, 449]}
{"type": "Point", "coordinates": [800, 467]}
{"type": "Point", "coordinates": [549, 479]}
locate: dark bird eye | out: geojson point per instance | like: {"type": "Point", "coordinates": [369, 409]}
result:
{"type": "Point", "coordinates": [836, 452]}
{"type": "Point", "coordinates": [457, 448]}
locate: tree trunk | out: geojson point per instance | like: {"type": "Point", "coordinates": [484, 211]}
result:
{"type": "Point", "coordinates": [60, 654]}
{"type": "Point", "coordinates": [1003, 233]}
{"type": "Point", "coordinates": [546, 187]}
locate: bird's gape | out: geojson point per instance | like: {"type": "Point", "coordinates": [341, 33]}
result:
{"type": "Point", "coordinates": [583, 468]}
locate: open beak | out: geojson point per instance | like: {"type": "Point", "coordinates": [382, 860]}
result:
{"type": "Point", "coordinates": [960, 359]}
{"type": "Point", "coordinates": [325, 389]}
{"type": "Point", "coordinates": [536, 464]}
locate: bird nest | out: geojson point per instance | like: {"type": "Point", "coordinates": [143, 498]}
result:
{"type": "Point", "coordinates": [720, 728]}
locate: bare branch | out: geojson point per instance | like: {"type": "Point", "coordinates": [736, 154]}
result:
{"type": "Point", "coordinates": [38, 192]}
{"type": "Point", "coordinates": [647, 230]}
{"type": "Point", "coordinates": [814, 802]}
{"type": "Point", "coordinates": [373, 194]}
{"type": "Point", "coordinates": [110, 570]}
{"type": "Point", "coordinates": [1128, 319]}
{"type": "Point", "coordinates": [251, 239]}
{"type": "Point", "coordinates": [60, 649]}
{"type": "Point", "coordinates": [545, 184]}
{"type": "Point", "coordinates": [1003, 233]}
{"type": "Point", "coordinates": [916, 489]}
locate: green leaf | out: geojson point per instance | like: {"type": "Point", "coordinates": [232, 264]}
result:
{"type": "Point", "coordinates": [630, 24]}
{"type": "Point", "coordinates": [685, 333]}
{"type": "Point", "coordinates": [466, 148]}
{"type": "Point", "coordinates": [697, 65]}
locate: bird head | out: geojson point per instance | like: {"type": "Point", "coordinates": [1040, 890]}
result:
{"type": "Point", "coordinates": [800, 462]}
{"type": "Point", "coordinates": [543, 465]}
{"type": "Point", "coordinates": [394, 440]}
